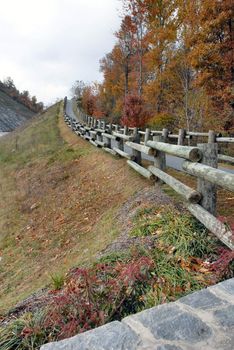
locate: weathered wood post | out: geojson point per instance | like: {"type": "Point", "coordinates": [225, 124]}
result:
{"type": "Point", "coordinates": [165, 133]}
{"type": "Point", "coordinates": [104, 125]}
{"type": "Point", "coordinates": [110, 132]}
{"type": "Point", "coordinates": [206, 188]}
{"type": "Point", "coordinates": [136, 139]}
{"type": "Point", "coordinates": [108, 139]}
{"type": "Point", "coordinates": [125, 130]}
{"type": "Point", "coordinates": [110, 128]}
{"type": "Point", "coordinates": [120, 142]}
{"type": "Point", "coordinates": [160, 157]}
{"type": "Point", "coordinates": [181, 137]}
{"type": "Point", "coordinates": [98, 136]}
{"type": "Point", "coordinates": [147, 135]}
{"type": "Point", "coordinates": [212, 137]}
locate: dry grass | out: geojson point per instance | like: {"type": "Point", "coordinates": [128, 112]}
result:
{"type": "Point", "coordinates": [59, 199]}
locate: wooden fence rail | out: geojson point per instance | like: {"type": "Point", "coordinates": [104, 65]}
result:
{"type": "Point", "coordinates": [200, 161]}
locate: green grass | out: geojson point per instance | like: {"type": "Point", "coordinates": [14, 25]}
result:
{"type": "Point", "coordinates": [177, 230]}
{"type": "Point", "coordinates": [182, 244]}
{"type": "Point", "coordinates": [39, 141]}
{"type": "Point", "coordinates": [57, 281]}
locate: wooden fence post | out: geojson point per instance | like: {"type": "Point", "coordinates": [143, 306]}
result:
{"type": "Point", "coordinates": [181, 137]}
{"type": "Point", "coordinates": [206, 188]}
{"type": "Point", "coordinates": [107, 139]}
{"type": "Point", "coordinates": [147, 135]}
{"type": "Point", "coordinates": [165, 133]}
{"type": "Point", "coordinates": [119, 143]}
{"type": "Point", "coordinates": [125, 130]}
{"type": "Point", "coordinates": [212, 137]}
{"type": "Point", "coordinates": [160, 157]}
{"type": "Point", "coordinates": [98, 136]}
{"type": "Point", "coordinates": [136, 139]}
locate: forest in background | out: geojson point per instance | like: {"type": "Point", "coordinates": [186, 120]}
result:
{"type": "Point", "coordinates": [24, 97]}
{"type": "Point", "coordinates": [171, 66]}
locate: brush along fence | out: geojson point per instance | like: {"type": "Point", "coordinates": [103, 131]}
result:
{"type": "Point", "coordinates": [200, 161]}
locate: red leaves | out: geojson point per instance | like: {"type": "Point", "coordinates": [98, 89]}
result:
{"type": "Point", "coordinates": [222, 264]}
{"type": "Point", "coordinates": [134, 114]}
{"type": "Point", "coordinates": [93, 296]}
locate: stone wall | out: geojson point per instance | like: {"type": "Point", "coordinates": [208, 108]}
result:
{"type": "Point", "coordinates": [201, 320]}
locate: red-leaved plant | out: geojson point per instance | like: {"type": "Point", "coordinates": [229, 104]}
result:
{"type": "Point", "coordinates": [134, 113]}
{"type": "Point", "coordinates": [97, 295]}
{"type": "Point", "coordinates": [222, 266]}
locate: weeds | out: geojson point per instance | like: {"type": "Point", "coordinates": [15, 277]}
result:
{"type": "Point", "coordinates": [182, 246]}
{"type": "Point", "coordinates": [177, 231]}
{"type": "Point", "coordinates": [91, 297]}
{"type": "Point", "coordinates": [27, 332]}
{"type": "Point", "coordinates": [57, 281]}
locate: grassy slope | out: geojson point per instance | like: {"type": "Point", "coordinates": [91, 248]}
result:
{"type": "Point", "coordinates": [59, 196]}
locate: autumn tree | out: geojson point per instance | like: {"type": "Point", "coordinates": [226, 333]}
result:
{"type": "Point", "coordinates": [77, 91]}
{"type": "Point", "coordinates": [134, 113]}
{"type": "Point", "coordinates": [172, 62]}
{"type": "Point", "coordinates": [126, 44]}
{"type": "Point", "coordinates": [161, 26]}
{"type": "Point", "coordinates": [135, 9]}
{"type": "Point", "coordinates": [212, 57]}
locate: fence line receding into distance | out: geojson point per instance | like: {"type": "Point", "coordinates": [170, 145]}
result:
{"type": "Point", "coordinates": [200, 161]}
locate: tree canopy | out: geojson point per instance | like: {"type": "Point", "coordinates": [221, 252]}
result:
{"type": "Point", "coordinates": [172, 61]}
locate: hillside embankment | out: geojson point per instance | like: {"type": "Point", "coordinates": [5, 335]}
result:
{"type": "Point", "coordinates": [12, 113]}
{"type": "Point", "coordinates": [58, 204]}
{"type": "Point", "coordinates": [84, 240]}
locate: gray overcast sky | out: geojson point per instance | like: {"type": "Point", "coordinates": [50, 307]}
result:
{"type": "Point", "coordinates": [48, 44]}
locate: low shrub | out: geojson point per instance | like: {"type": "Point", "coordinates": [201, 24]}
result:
{"type": "Point", "coordinates": [90, 298]}
{"type": "Point", "coordinates": [27, 332]}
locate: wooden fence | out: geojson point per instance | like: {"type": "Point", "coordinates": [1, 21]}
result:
{"type": "Point", "coordinates": [200, 161]}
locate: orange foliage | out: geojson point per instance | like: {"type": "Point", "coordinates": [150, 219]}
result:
{"type": "Point", "coordinates": [177, 56]}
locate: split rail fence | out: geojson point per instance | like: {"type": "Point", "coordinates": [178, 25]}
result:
{"type": "Point", "coordinates": [200, 161]}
